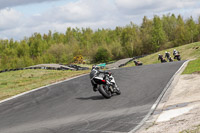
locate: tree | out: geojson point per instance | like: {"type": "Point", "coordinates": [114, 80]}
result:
{"type": "Point", "coordinates": [198, 29]}
{"type": "Point", "coordinates": [192, 30]}
{"type": "Point", "coordinates": [180, 32]}
{"type": "Point", "coordinates": [102, 55]}
{"type": "Point", "coordinates": [130, 40]}
{"type": "Point", "coordinates": [145, 35]}
{"type": "Point", "coordinates": [22, 49]}
{"type": "Point", "coordinates": [158, 34]}
{"type": "Point", "coordinates": [169, 26]}
{"type": "Point", "coordinates": [61, 53]}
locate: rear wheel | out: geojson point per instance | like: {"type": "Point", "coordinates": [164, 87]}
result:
{"type": "Point", "coordinates": [104, 90]}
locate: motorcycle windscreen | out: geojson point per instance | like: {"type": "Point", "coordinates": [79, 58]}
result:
{"type": "Point", "coordinates": [93, 74]}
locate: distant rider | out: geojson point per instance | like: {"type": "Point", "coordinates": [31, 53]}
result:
{"type": "Point", "coordinates": [167, 55]}
{"type": "Point", "coordinates": [137, 63]}
{"type": "Point", "coordinates": [160, 57]}
{"type": "Point", "coordinates": [175, 52]}
{"type": "Point", "coordinates": [176, 55]}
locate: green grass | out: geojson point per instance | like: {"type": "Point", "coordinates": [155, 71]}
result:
{"type": "Point", "coordinates": [193, 67]}
{"type": "Point", "coordinates": [16, 82]}
{"type": "Point", "coordinates": [188, 51]}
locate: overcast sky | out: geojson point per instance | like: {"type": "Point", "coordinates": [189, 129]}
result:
{"type": "Point", "coordinates": [20, 18]}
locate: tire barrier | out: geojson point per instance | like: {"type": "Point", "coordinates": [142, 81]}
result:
{"type": "Point", "coordinates": [62, 67]}
{"type": "Point", "coordinates": [121, 65]}
{"type": "Point", "coordinates": [78, 67]}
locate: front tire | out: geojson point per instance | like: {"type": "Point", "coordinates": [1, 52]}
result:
{"type": "Point", "coordinates": [118, 92]}
{"type": "Point", "coordinates": [179, 58]}
{"type": "Point", "coordinates": [104, 90]}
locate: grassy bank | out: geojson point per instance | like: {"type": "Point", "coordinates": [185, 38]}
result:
{"type": "Point", "coordinates": [16, 82]}
{"type": "Point", "coordinates": [193, 67]}
{"type": "Point", "coordinates": [188, 51]}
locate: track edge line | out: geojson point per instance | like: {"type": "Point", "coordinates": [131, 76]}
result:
{"type": "Point", "coordinates": [154, 106]}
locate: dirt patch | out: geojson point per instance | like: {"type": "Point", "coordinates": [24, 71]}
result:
{"type": "Point", "coordinates": [198, 72]}
{"type": "Point", "coordinates": [179, 111]}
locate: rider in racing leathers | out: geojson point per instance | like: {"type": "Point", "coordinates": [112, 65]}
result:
{"type": "Point", "coordinates": [167, 55]}
{"type": "Point", "coordinates": [96, 69]}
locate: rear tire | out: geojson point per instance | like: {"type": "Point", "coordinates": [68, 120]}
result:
{"type": "Point", "coordinates": [104, 90]}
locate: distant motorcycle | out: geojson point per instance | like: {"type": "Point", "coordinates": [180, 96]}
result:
{"type": "Point", "coordinates": [137, 63]}
{"type": "Point", "coordinates": [170, 59]}
{"type": "Point", "coordinates": [104, 82]}
{"type": "Point", "coordinates": [177, 56]}
{"type": "Point", "coordinates": [160, 57]}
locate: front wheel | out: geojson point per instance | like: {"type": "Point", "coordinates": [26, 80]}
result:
{"type": "Point", "coordinates": [104, 90]}
{"type": "Point", "coordinates": [178, 58]}
{"type": "Point", "coordinates": [118, 92]}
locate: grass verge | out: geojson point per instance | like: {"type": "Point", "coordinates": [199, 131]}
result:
{"type": "Point", "coordinates": [192, 67]}
{"type": "Point", "coordinates": [16, 82]}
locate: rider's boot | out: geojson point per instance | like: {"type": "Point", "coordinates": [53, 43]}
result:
{"type": "Point", "coordinates": [95, 88]}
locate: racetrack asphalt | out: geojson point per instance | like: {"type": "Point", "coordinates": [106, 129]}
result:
{"type": "Point", "coordinates": [72, 106]}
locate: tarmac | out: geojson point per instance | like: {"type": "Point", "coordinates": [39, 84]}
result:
{"type": "Point", "coordinates": [179, 109]}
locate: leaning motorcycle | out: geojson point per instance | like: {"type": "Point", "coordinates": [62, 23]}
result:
{"type": "Point", "coordinates": [105, 83]}
{"type": "Point", "coordinates": [178, 57]}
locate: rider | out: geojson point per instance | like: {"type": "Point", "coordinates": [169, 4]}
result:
{"type": "Point", "coordinates": [96, 69]}
{"type": "Point", "coordinates": [160, 57]}
{"type": "Point", "coordinates": [175, 52]}
{"type": "Point", "coordinates": [167, 54]}
{"type": "Point", "coordinates": [137, 63]}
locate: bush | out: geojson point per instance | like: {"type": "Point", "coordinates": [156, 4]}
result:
{"type": "Point", "coordinates": [78, 59]}
{"type": "Point", "coordinates": [102, 55]}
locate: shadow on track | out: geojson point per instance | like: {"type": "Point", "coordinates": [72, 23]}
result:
{"type": "Point", "coordinates": [92, 98]}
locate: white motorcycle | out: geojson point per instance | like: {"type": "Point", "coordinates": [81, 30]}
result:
{"type": "Point", "coordinates": [104, 82]}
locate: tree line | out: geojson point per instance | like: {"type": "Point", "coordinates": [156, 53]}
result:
{"type": "Point", "coordinates": [101, 45]}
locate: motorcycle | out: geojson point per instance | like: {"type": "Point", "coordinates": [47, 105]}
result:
{"type": "Point", "coordinates": [160, 57]}
{"type": "Point", "coordinates": [105, 83]}
{"type": "Point", "coordinates": [177, 56]}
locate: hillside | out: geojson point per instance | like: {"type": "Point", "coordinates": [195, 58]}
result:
{"type": "Point", "coordinates": [187, 52]}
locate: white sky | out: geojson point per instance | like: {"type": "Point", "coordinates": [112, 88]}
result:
{"type": "Point", "coordinates": [20, 18]}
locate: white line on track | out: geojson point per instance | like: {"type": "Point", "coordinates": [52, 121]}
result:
{"type": "Point", "coordinates": [158, 99]}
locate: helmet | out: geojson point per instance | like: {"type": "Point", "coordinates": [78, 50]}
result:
{"type": "Point", "coordinates": [165, 51]}
{"type": "Point", "coordinates": [95, 67]}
